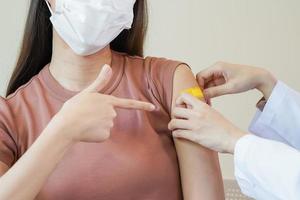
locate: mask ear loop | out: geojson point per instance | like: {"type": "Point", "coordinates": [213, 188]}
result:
{"type": "Point", "coordinates": [48, 5]}
{"type": "Point", "coordinates": [52, 13]}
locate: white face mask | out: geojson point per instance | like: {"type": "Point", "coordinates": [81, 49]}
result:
{"type": "Point", "coordinates": [88, 26]}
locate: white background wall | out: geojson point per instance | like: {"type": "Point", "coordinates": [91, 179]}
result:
{"type": "Point", "coordinates": [258, 32]}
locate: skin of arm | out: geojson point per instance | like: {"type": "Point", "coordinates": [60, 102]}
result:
{"type": "Point", "coordinates": [199, 167]}
{"type": "Point", "coordinates": [37, 162]}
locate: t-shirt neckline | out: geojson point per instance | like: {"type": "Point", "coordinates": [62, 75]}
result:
{"type": "Point", "coordinates": [63, 94]}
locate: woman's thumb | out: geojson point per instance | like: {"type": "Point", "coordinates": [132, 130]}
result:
{"type": "Point", "coordinates": [102, 79]}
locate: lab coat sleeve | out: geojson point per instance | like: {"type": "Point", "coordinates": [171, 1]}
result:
{"type": "Point", "coordinates": [280, 118]}
{"type": "Point", "coordinates": [267, 169]}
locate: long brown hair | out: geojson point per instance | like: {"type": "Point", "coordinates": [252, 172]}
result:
{"type": "Point", "coordinates": [36, 49]}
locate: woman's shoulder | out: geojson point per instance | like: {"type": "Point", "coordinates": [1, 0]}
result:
{"type": "Point", "coordinates": [162, 67]}
{"type": "Point", "coordinates": [23, 90]}
{"type": "Point", "coordinates": [6, 117]}
{"type": "Point", "coordinates": [152, 64]}
{"type": "Point", "coordinates": [24, 95]}
{"type": "Point", "coordinates": [161, 62]}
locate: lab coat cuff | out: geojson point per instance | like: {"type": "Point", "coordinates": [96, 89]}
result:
{"type": "Point", "coordinates": [264, 118]}
{"type": "Point", "coordinates": [241, 150]}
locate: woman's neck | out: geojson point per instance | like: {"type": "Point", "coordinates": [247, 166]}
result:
{"type": "Point", "coordinates": [75, 72]}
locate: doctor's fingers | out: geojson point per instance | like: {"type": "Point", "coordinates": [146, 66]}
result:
{"type": "Point", "coordinates": [215, 82]}
{"type": "Point", "coordinates": [215, 91]}
{"type": "Point", "coordinates": [216, 70]}
{"type": "Point", "coordinates": [201, 82]}
{"type": "Point", "coordinates": [190, 101]}
{"type": "Point", "coordinates": [181, 124]}
{"type": "Point", "coordinates": [188, 135]}
{"type": "Point", "coordinates": [186, 113]}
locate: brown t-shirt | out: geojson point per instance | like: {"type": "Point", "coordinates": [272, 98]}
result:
{"type": "Point", "coordinates": [137, 162]}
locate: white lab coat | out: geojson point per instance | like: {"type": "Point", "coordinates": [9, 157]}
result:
{"type": "Point", "coordinates": [268, 169]}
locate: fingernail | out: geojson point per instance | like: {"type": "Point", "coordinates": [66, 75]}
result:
{"type": "Point", "coordinates": [153, 107]}
{"type": "Point", "coordinates": [185, 95]}
{"type": "Point", "coordinates": [106, 69]}
{"type": "Point", "coordinates": [206, 94]}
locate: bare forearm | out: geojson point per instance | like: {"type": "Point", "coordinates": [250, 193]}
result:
{"type": "Point", "coordinates": [26, 178]}
{"type": "Point", "coordinates": [200, 172]}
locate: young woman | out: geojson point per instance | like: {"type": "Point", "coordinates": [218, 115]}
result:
{"type": "Point", "coordinates": [58, 113]}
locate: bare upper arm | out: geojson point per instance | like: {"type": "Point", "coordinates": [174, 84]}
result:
{"type": "Point", "coordinates": [200, 171]}
{"type": "Point", "coordinates": [183, 79]}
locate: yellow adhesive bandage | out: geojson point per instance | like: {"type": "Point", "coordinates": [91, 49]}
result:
{"type": "Point", "coordinates": [195, 91]}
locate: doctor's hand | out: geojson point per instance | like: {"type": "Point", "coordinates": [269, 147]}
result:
{"type": "Point", "coordinates": [203, 125]}
{"type": "Point", "coordinates": [225, 78]}
{"type": "Point", "coordinates": [89, 116]}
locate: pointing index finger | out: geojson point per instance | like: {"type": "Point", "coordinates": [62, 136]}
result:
{"type": "Point", "coordinates": [133, 104]}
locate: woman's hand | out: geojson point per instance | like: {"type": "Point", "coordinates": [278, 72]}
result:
{"type": "Point", "coordinates": [225, 78]}
{"type": "Point", "coordinates": [203, 125]}
{"type": "Point", "coordinates": [86, 117]}
{"type": "Point", "coordinates": [89, 116]}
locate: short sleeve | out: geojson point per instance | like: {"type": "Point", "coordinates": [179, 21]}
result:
{"type": "Point", "coordinates": [161, 75]}
{"type": "Point", "coordinates": [8, 148]}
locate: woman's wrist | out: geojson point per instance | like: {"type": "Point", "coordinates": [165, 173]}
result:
{"type": "Point", "coordinates": [60, 130]}
{"type": "Point", "coordinates": [266, 83]}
